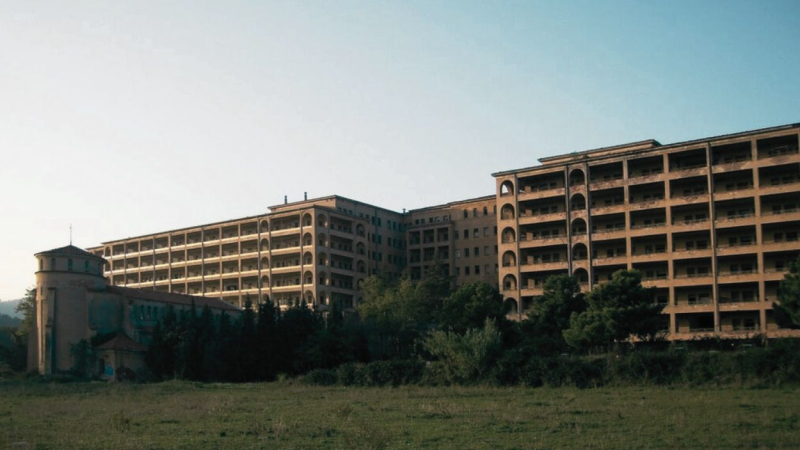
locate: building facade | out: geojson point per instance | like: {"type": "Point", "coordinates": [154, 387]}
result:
{"type": "Point", "coordinates": [710, 223]}
{"type": "Point", "coordinates": [75, 306]}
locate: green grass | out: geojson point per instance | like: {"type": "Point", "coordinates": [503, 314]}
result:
{"type": "Point", "coordinates": [291, 415]}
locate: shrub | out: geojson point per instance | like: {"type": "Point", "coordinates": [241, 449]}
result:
{"type": "Point", "coordinates": [467, 357]}
{"type": "Point", "coordinates": [395, 373]}
{"type": "Point", "coordinates": [320, 377]}
{"type": "Point", "coordinates": [645, 367]}
{"type": "Point", "coordinates": [350, 374]}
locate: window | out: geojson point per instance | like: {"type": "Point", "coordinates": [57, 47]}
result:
{"type": "Point", "coordinates": [52, 264]}
{"type": "Point", "coordinates": [86, 266]}
{"type": "Point", "coordinates": [477, 270]}
{"type": "Point", "coordinates": [466, 214]}
{"type": "Point", "coordinates": [69, 264]}
{"type": "Point", "coordinates": [476, 232]}
{"type": "Point", "coordinates": [466, 270]}
{"type": "Point", "coordinates": [486, 250]}
{"type": "Point", "coordinates": [41, 264]}
{"type": "Point", "coordinates": [466, 252]}
{"type": "Point", "coordinates": [476, 251]}
{"type": "Point", "coordinates": [466, 234]}
{"type": "Point", "coordinates": [474, 212]}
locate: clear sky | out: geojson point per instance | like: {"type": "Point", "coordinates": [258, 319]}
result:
{"type": "Point", "coordinates": [125, 118]}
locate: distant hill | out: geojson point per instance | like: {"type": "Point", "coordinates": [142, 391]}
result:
{"type": "Point", "coordinates": [7, 307]}
{"type": "Point", "coordinates": [8, 321]}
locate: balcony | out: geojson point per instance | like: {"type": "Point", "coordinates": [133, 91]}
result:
{"type": "Point", "coordinates": [647, 257]}
{"type": "Point", "coordinates": [733, 220]}
{"type": "Point", "coordinates": [740, 276]}
{"type": "Point", "coordinates": [607, 209]}
{"type": "Point", "coordinates": [610, 260]}
{"type": "Point", "coordinates": [642, 179]}
{"type": "Point", "coordinates": [688, 171]}
{"type": "Point", "coordinates": [693, 279]}
{"type": "Point", "coordinates": [733, 166]}
{"type": "Point", "coordinates": [691, 225]}
{"type": "Point", "coordinates": [735, 194]}
{"type": "Point", "coordinates": [606, 234]}
{"type": "Point", "coordinates": [689, 199]}
{"type": "Point", "coordinates": [526, 219]}
{"type": "Point", "coordinates": [611, 182]}
{"type": "Point", "coordinates": [528, 242]}
{"type": "Point", "coordinates": [531, 194]}
{"type": "Point", "coordinates": [542, 266]}
{"type": "Point", "coordinates": [691, 253]}
{"type": "Point", "coordinates": [647, 229]}
{"type": "Point", "coordinates": [736, 249]}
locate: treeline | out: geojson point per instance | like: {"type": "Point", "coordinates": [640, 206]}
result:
{"type": "Point", "coordinates": [423, 332]}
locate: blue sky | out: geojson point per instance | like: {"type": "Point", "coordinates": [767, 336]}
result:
{"type": "Point", "coordinates": [125, 119]}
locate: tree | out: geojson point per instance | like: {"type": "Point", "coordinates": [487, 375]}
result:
{"type": "Point", "coordinates": [542, 332]}
{"type": "Point", "coordinates": [27, 307]}
{"type": "Point", "coordinates": [787, 310]}
{"type": "Point", "coordinates": [616, 311]}
{"type": "Point", "coordinates": [470, 306]}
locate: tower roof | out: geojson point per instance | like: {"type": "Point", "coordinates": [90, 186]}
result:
{"type": "Point", "coordinates": [69, 250]}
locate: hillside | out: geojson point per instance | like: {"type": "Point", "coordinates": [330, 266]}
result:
{"type": "Point", "coordinates": [7, 307]}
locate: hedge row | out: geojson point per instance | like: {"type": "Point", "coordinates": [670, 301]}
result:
{"type": "Point", "coordinates": [774, 365]}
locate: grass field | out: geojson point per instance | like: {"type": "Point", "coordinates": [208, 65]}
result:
{"type": "Point", "coordinates": [294, 416]}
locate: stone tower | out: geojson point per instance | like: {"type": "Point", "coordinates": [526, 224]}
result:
{"type": "Point", "coordinates": [63, 278]}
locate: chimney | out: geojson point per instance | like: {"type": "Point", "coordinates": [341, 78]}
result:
{"type": "Point", "coordinates": [285, 199]}
{"type": "Point", "coordinates": [305, 195]}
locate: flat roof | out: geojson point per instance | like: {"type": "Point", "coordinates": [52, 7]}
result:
{"type": "Point", "coordinates": [454, 203]}
{"type": "Point", "coordinates": [633, 146]}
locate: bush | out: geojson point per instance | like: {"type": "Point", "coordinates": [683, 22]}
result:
{"type": "Point", "coordinates": [564, 371]}
{"type": "Point", "coordinates": [395, 373]}
{"type": "Point", "coordinates": [320, 377]}
{"type": "Point", "coordinates": [644, 367]}
{"type": "Point", "coordinates": [468, 357]}
{"type": "Point", "coordinates": [350, 374]}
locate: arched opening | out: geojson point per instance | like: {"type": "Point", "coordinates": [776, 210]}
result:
{"type": "Point", "coordinates": [265, 263]}
{"type": "Point", "coordinates": [323, 279]}
{"type": "Point", "coordinates": [264, 245]}
{"type": "Point", "coordinates": [323, 299]}
{"type": "Point", "coordinates": [264, 226]}
{"type": "Point", "coordinates": [474, 212]}
{"type": "Point", "coordinates": [578, 227]}
{"type": "Point", "coordinates": [579, 252]}
{"type": "Point", "coordinates": [509, 236]}
{"type": "Point", "coordinates": [577, 177]}
{"type": "Point", "coordinates": [361, 267]}
{"type": "Point", "coordinates": [511, 306]}
{"type": "Point", "coordinates": [309, 298]}
{"type": "Point", "coordinates": [577, 203]}
{"type": "Point", "coordinates": [265, 281]}
{"type": "Point", "coordinates": [510, 283]}
{"type": "Point", "coordinates": [360, 231]}
{"type": "Point", "coordinates": [308, 277]}
{"type": "Point", "coordinates": [507, 212]}
{"type": "Point", "coordinates": [322, 221]}
{"type": "Point", "coordinates": [485, 211]}
{"type": "Point", "coordinates": [361, 249]}
{"type": "Point", "coordinates": [107, 251]}
{"type": "Point", "coordinates": [308, 239]}
{"type": "Point", "coordinates": [322, 240]}
{"type": "Point", "coordinates": [308, 258]}
{"type": "Point", "coordinates": [322, 258]}
{"type": "Point", "coordinates": [509, 259]}
{"type": "Point", "coordinates": [307, 219]}
{"type": "Point", "coordinates": [507, 188]}
{"type": "Point", "coordinates": [581, 276]}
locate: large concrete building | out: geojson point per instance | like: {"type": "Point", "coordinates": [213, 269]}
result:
{"type": "Point", "coordinates": [75, 305]}
{"type": "Point", "coordinates": [711, 223]}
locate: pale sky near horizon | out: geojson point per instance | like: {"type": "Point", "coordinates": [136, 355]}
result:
{"type": "Point", "coordinates": [130, 118]}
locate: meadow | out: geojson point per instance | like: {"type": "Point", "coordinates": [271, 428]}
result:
{"type": "Point", "coordinates": [290, 415]}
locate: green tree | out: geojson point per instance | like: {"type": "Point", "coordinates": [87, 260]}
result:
{"type": "Point", "coordinates": [549, 315]}
{"type": "Point", "coordinates": [469, 307]}
{"type": "Point", "coordinates": [27, 307]}
{"type": "Point", "coordinates": [787, 310]}
{"type": "Point", "coordinates": [616, 311]}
